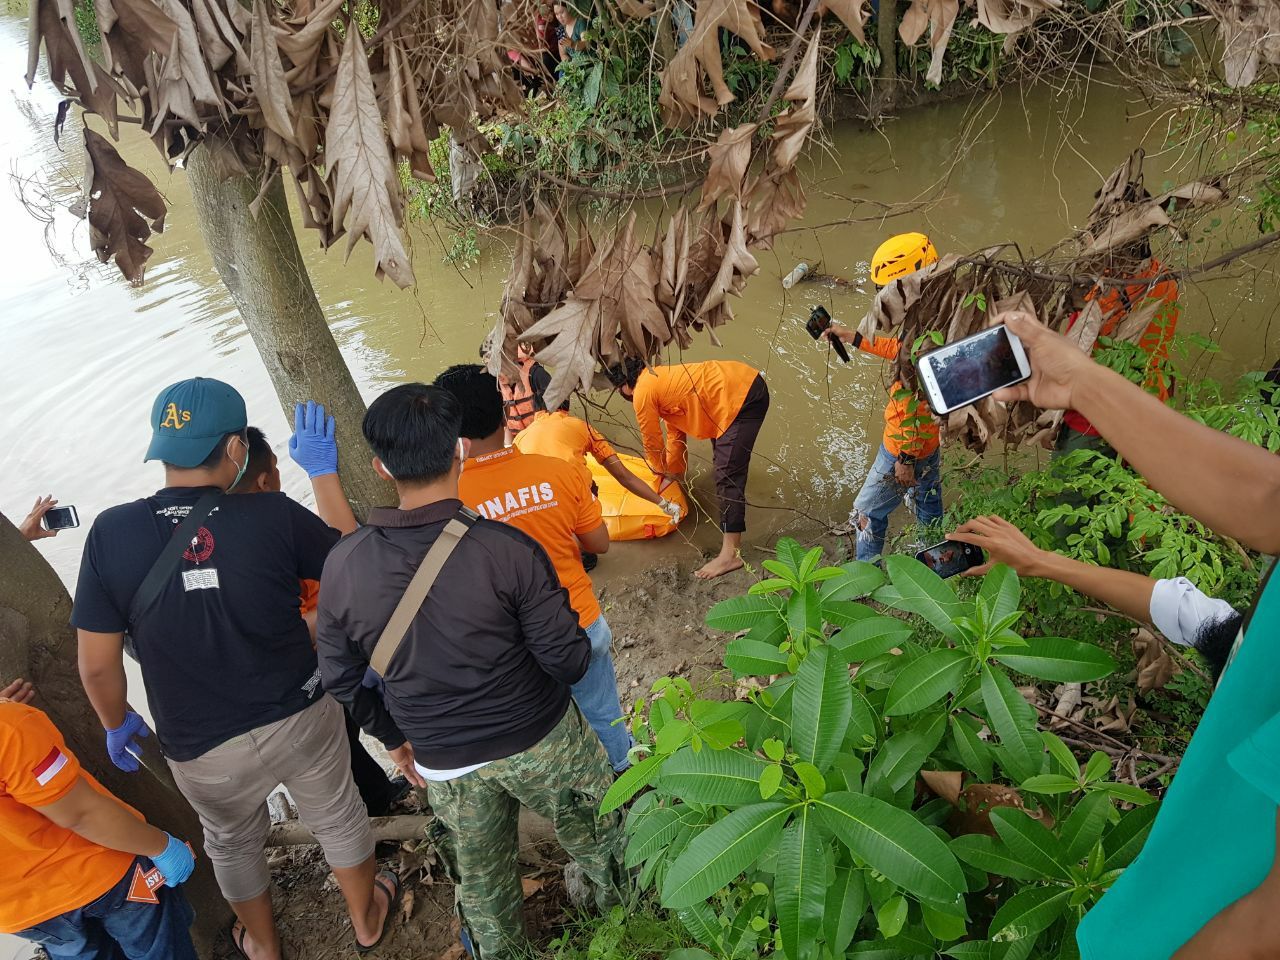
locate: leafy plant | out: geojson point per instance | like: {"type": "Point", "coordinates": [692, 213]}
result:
{"type": "Point", "coordinates": [792, 821]}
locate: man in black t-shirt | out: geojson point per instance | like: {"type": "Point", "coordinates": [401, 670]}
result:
{"type": "Point", "coordinates": [227, 662]}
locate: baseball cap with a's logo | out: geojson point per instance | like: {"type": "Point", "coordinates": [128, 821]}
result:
{"type": "Point", "coordinates": [190, 417]}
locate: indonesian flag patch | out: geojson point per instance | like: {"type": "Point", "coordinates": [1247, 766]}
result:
{"type": "Point", "coordinates": [49, 767]}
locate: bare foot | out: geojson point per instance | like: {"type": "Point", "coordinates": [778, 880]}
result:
{"type": "Point", "coordinates": [719, 567]}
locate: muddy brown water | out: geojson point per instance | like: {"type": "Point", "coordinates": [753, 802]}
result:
{"type": "Point", "coordinates": [83, 352]}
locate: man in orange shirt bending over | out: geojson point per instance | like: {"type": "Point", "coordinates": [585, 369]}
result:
{"type": "Point", "coordinates": [81, 873]}
{"type": "Point", "coordinates": [718, 400]}
{"type": "Point", "coordinates": [560, 434]}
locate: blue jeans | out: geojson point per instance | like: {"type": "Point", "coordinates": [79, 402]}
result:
{"type": "Point", "coordinates": [597, 697]}
{"type": "Point", "coordinates": [113, 926]}
{"type": "Point", "coordinates": [881, 493]}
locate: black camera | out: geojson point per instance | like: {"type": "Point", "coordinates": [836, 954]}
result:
{"type": "Point", "coordinates": [820, 320]}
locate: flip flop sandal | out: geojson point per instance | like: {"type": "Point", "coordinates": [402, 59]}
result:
{"type": "Point", "coordinates": [238, 944]}
{"type": "Point", "coordinates": [393, 892]}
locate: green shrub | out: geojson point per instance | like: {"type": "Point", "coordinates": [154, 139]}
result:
{"type": "Point", "coordinates": [790, 820]}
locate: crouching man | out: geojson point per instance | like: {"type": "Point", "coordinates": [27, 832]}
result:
{"type": "Point", "coordinates": [476, 666]}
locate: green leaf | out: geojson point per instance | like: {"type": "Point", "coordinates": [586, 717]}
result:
{"type": "Point", "coordinates": [820, 708]}
{"type": "Point", "coordinates": [804, 612]}
{"type": "Point", "coordinates": [774, 749]}
{"type": "Point", "coordinates": [856, 579]}
{"type": "Point", "coordinates": [1127, 793]}
{"type": "Point", "coordinates": [972, 950]}
{"type": "Point", "coordinates": [864, 723]}
{"type": "Point", "coordinates": [673, 735]}
{"type": "Point", "coordinates": [899, 760]}
{"type": "Point", "coordinates": [1083, 827]}
{"type": "Point", "coordinates": [1014, 721]}
{"type": "Point", "coordinates": [989, 854]}
{"type": "Point", "coordinates": [892, 916]}
{"type": "Point", "coordinates": [701, 921]}
{"type": "Point", "coordinates": [809, 565]}
{"type": "Point", "coordinates": [920, 590]}
{"type": "Point", "coordinates": [721, 852]}
{"type": "Point", "coordinates": [790, 553]}
{"type": "Point", "coordinates": [1001, 591]}
{"type": "Point", "coordinates": [845, 613]}
{"type": "Point", "coordinates": [846, 902]}
{"type": "Point", "coordinates": [650, 833]}
{"type": "Point", "coordinates": [726, 778]}
{"type": "Point", "coordinates": [741, 613]}
{"type": "Point", "coordinates": [1050, 784]}
{"type": "Point", "coordinates": [799, 884]}
{"type": "Point", "coordinates": [1028, 913]}
{"type": "Point", "coordinates": [771, 585]}
{"type": "Point", "coordinates": [1099, 766]}
{"type": "Point", "coordinates": [636, 778]}
{"type": "Point", "coordinates": [1124, 841]}
{"type": "Point", "coordinates": [870, 637]}
{"type": "Point", "coordinates": [972, 751]}
{"type": "Point", "coordinates": [751, 658]}
{"type": "Point", "coordinates": [689, 953]}
{"type": "Point", "coordinates": [1061, 753]}
{"type": "Point", "coordinates": [591, 88]}
{"type": "Point", "coordinates": [894, 843]}
{"type": "Point", "coordinates": [1030, 841]}
{"type": "Point", "coordinates": [946, 925]}
{"type": "Point", "coordinates": [1059, 659]}
{"type": "Point", "coordinates": [770, 780]}
{"type": "Point", "coordinates": [815, 785]}
{"type": "Point", "coordinates": [925, 681]}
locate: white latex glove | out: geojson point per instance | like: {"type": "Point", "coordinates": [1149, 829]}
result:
{"type": "Point", "coordinates": [671, 509]}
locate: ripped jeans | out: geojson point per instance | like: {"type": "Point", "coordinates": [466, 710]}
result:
{"type": "Point", "coordinates": [881, 493]}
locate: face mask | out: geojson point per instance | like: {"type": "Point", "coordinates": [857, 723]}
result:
{"type": "Point", "coordinates": [243, 467]}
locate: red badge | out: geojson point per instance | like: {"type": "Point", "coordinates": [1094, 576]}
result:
{"type": "Point", "coordinates": [201, 548]}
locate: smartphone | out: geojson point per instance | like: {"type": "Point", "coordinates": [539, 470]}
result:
{"type": "Point", "coordinates": [964, 372]}
{"type": "Point", "coordinates": [60, 518]}
{"type": "Point", "coordinates": [950, 557]}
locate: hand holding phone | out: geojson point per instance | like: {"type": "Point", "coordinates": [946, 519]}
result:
{"type": "Point", "coordinates": [961, 373]}
{"type": "Point", "coordinates": [47, 518]}
{"type": "Point", "coordinates": [818, 323]}
{"type": "Point", "coordinates": [950, 557]}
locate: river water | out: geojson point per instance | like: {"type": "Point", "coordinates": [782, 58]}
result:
{"type": "Point", "coordinates": [83, 353]}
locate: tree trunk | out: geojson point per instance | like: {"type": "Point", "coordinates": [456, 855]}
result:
{"type": "Point", "coordinates": [887, 40]}
{"type": "Point", "coordinates": [259, 261]}
{"type": "Point", "coordinates": [37, 642]}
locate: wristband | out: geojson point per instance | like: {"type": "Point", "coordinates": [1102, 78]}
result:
{"type": "Point", "coordinates": [857, 339]}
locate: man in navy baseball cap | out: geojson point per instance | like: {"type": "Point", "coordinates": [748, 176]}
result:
{"type": "Point", "coordinates": [191, 417]}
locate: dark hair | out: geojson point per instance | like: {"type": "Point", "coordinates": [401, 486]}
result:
{"type": "Point", "coordinates": [259, 453]}
{"type": "Point", "coordinates": [1214, 641]}
{"type": "Point", "coordinates": [539, 380]}
{"type": "Point", "coordinates": [476, 390]}
{"type": "Point", "coordinates": [215, 455]}
{"type": "Point", "coordinates": [625, 374]}
{"type": "Point", "coordinates": [413, 430]}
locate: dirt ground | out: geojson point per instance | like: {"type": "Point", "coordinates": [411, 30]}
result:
{"type": "Point", "coordinates": [656, 609]}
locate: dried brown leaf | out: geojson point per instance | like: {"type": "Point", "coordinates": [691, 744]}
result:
{"type": "Point", "coordinates": [791, 127]}
{"type": "Point", "coordinates": [852, 14]}
{"type": "Point", "coordinates": [571, 329]}
{"type": "Point", "coordinates": [266, 76]}
{"type": "Point", "coordinates": [1155, 667]}
{"type": "Point", "coordinates": [939, 16]}
{"type": "Point", "coordinates": [125, 208]}
{"type": "Point", "coordinates": [365, 186]}
{"type": "Point", "coordinates": [945, 783]}
{"type": "Point", "coordinates": [1012, 16]}
{"type": "Point", "coordinates": [682, 99]}
{"type": "Point", "coordinates": [775, 199]}
{"type": "Point", "coordinates": [729, 158]}
{"type": "Point", "coordinates": [736, 265]}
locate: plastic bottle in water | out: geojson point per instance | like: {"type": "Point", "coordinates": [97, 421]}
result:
{"type": "Point", "coordinates": [795, 276]}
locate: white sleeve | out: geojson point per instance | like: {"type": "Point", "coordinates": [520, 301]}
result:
{"type": "Point", "coordinates": [1179, 610]}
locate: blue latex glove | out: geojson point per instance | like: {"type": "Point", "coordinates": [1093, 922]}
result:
{"type": "Point", "coordinates": [314, 444]}
{"type": "Point", "coordinates": [176, 862]}
{"type": "Point", "coordinates": [121, 745]}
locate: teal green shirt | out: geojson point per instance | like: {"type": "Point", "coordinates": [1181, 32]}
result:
{"type": "Point", "coordinates": [1214, 839]}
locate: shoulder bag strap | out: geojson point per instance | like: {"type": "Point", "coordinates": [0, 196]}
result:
{"type": "Point", "coordinates": [167, 562]}
{"type": "Point", "coordinates": [416, 593]}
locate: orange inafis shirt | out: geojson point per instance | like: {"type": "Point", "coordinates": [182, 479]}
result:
{"type": "Point", "coordinates": [547, 498]}
{"type": "Point", "coordinates": [914, 439]}
{"type": "Point", "coordinates": [45, 870]}
{"type": "Point", "coordinates": [693, 399]}
{"type": "Point", "coordinates": [565, 437]}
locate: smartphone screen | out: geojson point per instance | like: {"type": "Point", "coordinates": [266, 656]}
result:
{"type": "Point", "coordinates": [61, 518]}
{"type": "Point", "coordinates": [949, 557]}
{"type": "Point", "coordinates": [974, 367]}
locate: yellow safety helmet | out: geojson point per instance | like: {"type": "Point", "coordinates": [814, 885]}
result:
{"type": "Point", "coordinates": [898, 256]}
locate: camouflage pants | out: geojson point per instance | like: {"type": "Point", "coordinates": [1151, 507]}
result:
{"type": "Point", "coordinates": [563, 777]}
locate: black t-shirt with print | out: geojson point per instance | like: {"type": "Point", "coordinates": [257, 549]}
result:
{"type": "Point", "coordinates": [223, 649]}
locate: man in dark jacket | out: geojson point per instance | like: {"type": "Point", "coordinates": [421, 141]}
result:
{"type": "Point", "coordinates": [475, 701]}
